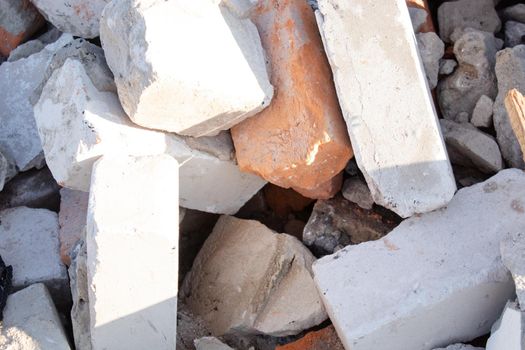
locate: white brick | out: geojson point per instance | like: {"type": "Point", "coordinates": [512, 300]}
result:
{"type": "Point", "coordinates": [79, 123]}
{"type": "Point", "coordinates": [29, 242]}
{"type": "Point", "coordinates": [211, 75]}
{"type": "Point", "coordinates": [132, 253]}
{"type": "Point", "coordinates": [386, 103]}
{"type": "Point", "coordinates": [31, 322]}
{"type": "Point", "coordinates": [436, 279]}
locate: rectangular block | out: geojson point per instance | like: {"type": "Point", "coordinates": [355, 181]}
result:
{"type": "Point", "coordinates": [383, 93]}
{"type": "Point", "coordinates": [434, 280]}
{"type": "Point", "coordinates": [132, 252]}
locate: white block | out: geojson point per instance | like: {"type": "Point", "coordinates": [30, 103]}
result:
{"type": "Point", "coordinates": [31, 322]}
{"type": "Point", "coordinates": [18, 134]}
{"type": "Point", "coordinates": [29, 242]}
{"type": "Point", "coordinates": [78, 123]}
{"type": "Point", "coordinates": [132, 253]}
{"type": "Point", "coordinates": [508, 333]}
{"type": "Point", "coordinates": [513, 255]}
{"type": "Point", "coordinates": [434, 280]}
{"type": "Point", "coordinates": [211, 75]}
{"type": "Point", "coordinates": [386, 103]}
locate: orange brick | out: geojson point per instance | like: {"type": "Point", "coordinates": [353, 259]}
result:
{"type": "Point", "coordinates": [18, 22]}
{"type": "Point", "coordinates": [325, 339]}
{"type": "Point", "coordinates": [284, 201]}
{"type": "Point", "coordinates": [300, 140]}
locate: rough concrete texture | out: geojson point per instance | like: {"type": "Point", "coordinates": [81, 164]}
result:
{"type": "Point", "coordinates": [189, 94]}
{"type": "Point", "coordinates": [29, 242]}
{"type": "Point", "coordinates": [324, 339]}
{"type": "Point", "coordinates": [513, 256]}
{"type": "Point", "coordinates": [468, 146]}
{"type": "Point", "coordinates": [514, 13]}
{"type": "Point", "coordinates": [189, 327]}
{"type": "Point", "coordinates": [299, 141]}
{"type": "Point", "coordinates": [476, 14]}
{"type": "Point", "coordinates": [427, 25]}
{"type": "Point", "coordinates": [514, 33]}
{"type": "Point", "coordinates": [33, 189]}
{"type": "Point", "coordinates": [515, 108]}
{"type": "Point", "coordinates": [508, 333]}
{"type": "Point", "coordinates": [336, 223]}
{"type": "Point", "coordinates": [482, 113]}
{"type": "Point", "coordinates": [78, 17]}
{"type": "Point", "coordinates": [210, 343]}
{"type": "Point", "coordinates": [510, 71]}
{"type": "Point", "coordinates": [25, 50]}
{"type": "Point", "coordinates": [356, 191]}
{"type": "Point", "coordinates": [79, 293]}
{"type": "Point", "coordinates": [18, 134]}
{"type": "Point", "coordinates": [31, 322]}
{"type": "Point", "coordinates": [18, 21]}
{"type": "Point", "coordinates": [447, 66]}
{"type": "Point", "coordinates": [79, 120]}
{"type": "Point", "coordinates": [72, 221]}
{"type": "Point", "coordinates": [381, 86]}
{"type": "Point", "coordinates": [431, 49]}
{"type": "Point", "coordinates": [441, 269]}
{"type": "Point", "coordinates": [460, 347]}
{"type": "Point", "coordinates": [249, 279]}
{"type": "Point", "coordinates": [458, 93]}
{"type": "Point", "coordinates": [133, 289]}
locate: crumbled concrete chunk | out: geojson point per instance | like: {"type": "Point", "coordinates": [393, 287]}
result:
{"type": "Point", "coordinates": [431, 49]}
{"type": "Point", "coordinates": [31, 322]}
{"type": "Point", "coordinates": [482, 113]}
{"type": "Point", "coordinates": [18, 21]}
{"type": "Point", "coordinates": [382, 87]}
{"type": "Point", "coordinates": [210, 343]}
{"type": "Point", "coordinates": [249, 279]}
{"type": "Point", "coordinates": [79, 293]}
{"type": "Point", "coordinates": [190, 94]}
{"type": "Point", "coordinates": [442, 269]}
{"type": "Point", "coordinates": [513, 256]}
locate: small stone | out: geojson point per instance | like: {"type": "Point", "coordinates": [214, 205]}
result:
{"type": "Point", "coordinates": [468, 146]}
{"type": "Point", "coordinates": [514, 13]}
{"type": "Point", "coordinates": [431, 49]}
{"type": "Point", "coordinates": [514, 33]}
{"type": "Point", "coordinates": [447, 66]}
{"type": "Point", "coordinates": [79, 293]}
{"type": "Point", "coordinates": [476, 14]}
{"type": "Point", "coordinates": [513, 256]}
{"type": "Point", "coordinates": [458, 93]}
{"type": "Point", "coordinates": [72, 221]}
{"type": "Point", "coordinates": [18, 21]}
{"type": "Point", "coordinates": [441, 268]}
{"type": "Point", "coordinates": [508, 333]}
{"type": "Point", "coordinates": [77, 17]}
{"type": "Point", "coordinates": [7, 170]}
{"type": "Point", "coordinates": [25, 50]}
{"type": "Point", "coordinates": [382, 89]}
{"type": "Point", "coordinates": [510, 71]}
{"type": "Point", "coordinates": [356, 191]}
{"type": "Point", "coordinates": [460, 347]}
{"type": "Point", "coordinates": [248, 279]}
{"type": "Point", "coordinates": [299, 141]}
{"type": "Point", "coordinates": [324, 339]}
{"type": "Point", "coordinates": [338, 222]}
{"type": "Point", "coordinates": [189, 94]}
{"type": "Point", "coordinates": [418, 17]}
{"type": "Point", "coordinates": [18, 133]}
{"type": "Point", "coordinates": [31, 322]}
{"type": "Point", "coordinates": [133, 287]}
{"type": "Point", "coordinates": [33, 189]}
{"type": "Point", "coordinates": [189, 327]}
{"type": "Point", "coordinates": [210, 343]}
{"type": "Point", "coordinates": [29, 242]}
{"type": "Point", "coordinates": [482, 114]}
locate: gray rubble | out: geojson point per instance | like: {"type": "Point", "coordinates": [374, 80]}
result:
{"type": "Point", "coordinates": [514, 13]}
{"type": "Point", "coordinates": [356, 191]}
{"type": "Point", "coordinates": [431, 49]}
{"type": "Point", "coordinates": [514, 33]}
{"type": "Point", "coordinates": [482, 113]}
{"type": "Point", "coordinates": [513, 256]}
{"type": "Point", "coordinates": [447, 66]}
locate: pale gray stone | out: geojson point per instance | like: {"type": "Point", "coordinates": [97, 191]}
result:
{"type": "Point", "coordinates": [514, 13]}
{"type": "Point", "coordinates": [458, 93]}
{"type": "Point", "coordinates": [482, 113]}
{"type": "Point", "coordinates": [513, 256]}
{"type": "Point", "coordinates": [514, 33]}
{"type": "Point", "coordinates": [510, 71]}
{"type": "Point", "coordinates": [508, 333]}
{"type": "Point", "coordinates": [460, 347]}
{"type": "Point", "coordinates": [418, 17]}
{"type": "Point", "coordinates": [477, 14]}
{"type": "Point", "coordinates": [447, 66]}
{"type": "Point", "coordinates": [431, 49]}
{"type": "Point", "coordinates": [356, 191]}
{"type": "Point", "coordinates": [469, 146]}
{"type": "Point", "coordinates": [441, 269]}
{"type": "Point", "coordinates": [79, 292]}
{"type": "Point", "coordinates": [25, 50]}
{"type": "Point", "coordinates": [31, 322]}
{"type": "Point", "coordinates": [261, 281]}
{"type": "Point", "coordinates": [210, 343]}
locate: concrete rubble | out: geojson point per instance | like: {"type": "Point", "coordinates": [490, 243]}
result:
{"type": "Point", "coordinates": [459, 294]}
{"type": "Point", "coordinates": [431, 49]}
{"type": "Point", "coordinates": [362, 72]}
{"type": "Point", "coordinates": [508, 333]}
{"type": "Point", "coordinates": [513, 257]}
{"type": "Point", "coordinates": [482, 113]}
{"type": "Point", "coordinates": [18, 21]}
{"type": "Point", "coordinates": [460, 347]}
{"type": "Point", "coordinates": [514, 33]}
{"type": "Point", "coordinates": [31, 322]}
{"type": "Point", "coordinates": [80, 317]}
{"type": "Point", "coordinates": [188, 94]}
{"type": "Point", "coordinates": [245, 275]}
{"type": "Point", "coordinates": [72, 221]}
{"type": "Point", "coordinates": [210, 343]}
{"type": "Point", "coordinates": [128, 288]}
{"type": "Point", "coordinates": [356, 191]}
{"type": "Point", "coordinates": [514, 13]}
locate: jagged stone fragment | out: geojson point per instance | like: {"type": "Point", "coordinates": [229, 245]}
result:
{"type": "Point", "coordinates": [79, 293]}
{"type": "Point", "coordinates": [482, 113]}
{"type": "Point", "coordinates": [431, 49]}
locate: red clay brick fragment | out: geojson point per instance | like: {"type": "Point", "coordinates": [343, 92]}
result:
{"type": "Point", "coordinates": [324, 339]}
{"type": "Point", "coordinates": [19, 19]}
